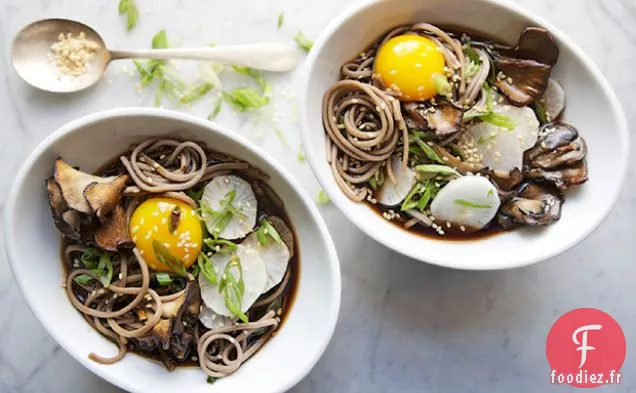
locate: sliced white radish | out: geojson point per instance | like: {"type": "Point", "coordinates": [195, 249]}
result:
{"type": "Point", "coordinates": [553, 100]}
{"type": "Point", "coordinates": [471, 201]}
{"type": "Point", "coordinates": [502, 149]}
{"type": "Point", "coordinates": [254, 278]}
{"type": "Point", "coordinates": [275, 255]}
{"type": "Point", "coordinates": [217, 194]}
{"type": "Point", "coordinates": [212, 320]}
{"type": "Point", "coordinates": [391, 194]}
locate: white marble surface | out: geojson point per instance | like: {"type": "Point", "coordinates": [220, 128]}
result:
{"type": "Point", "coordinates": [405, 326]}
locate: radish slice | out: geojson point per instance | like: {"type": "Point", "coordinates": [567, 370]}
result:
{"type": "Point", "coordinates": [502, 149]}
{"type": "Point", "coordinates": [212, 320]}
{"type": "Point", "coordinates": [471, 201]}
{"type": "Point", "coordinates": [391, 194]}
{"type": "Point", "coordinates": [254, 277]}
{"type": "Point", "coordinates": [275, 255]}
{"type": "Point", "coordinates": [553, 100]}
{"type": "Point", "coordinates": [220, 191]}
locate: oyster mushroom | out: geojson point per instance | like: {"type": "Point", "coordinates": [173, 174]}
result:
{"type": "Point", "coordinates": [254, 278]}
{"type": "Point", "coordinates": [275, 255]}
{"type": "Point", "coordinates": [534, 205]}
{"type": "Point", "coordinates": [558, 156]}
{"type": "Point", "coordinates": [113, 235]}
{"type": "Point", "coordinates": [392, 194]}
{"type": "Point", "coordinates": [74, 183]}
{"type": "Point", "coordinates": [525, 69]}
{"type": "Point", "coordinates": [444, 118]}
{"type": "Point", "coordinates": [66, 220]}
{"type": "Point", "coordinates": [233, 207]}
{"type": "Point", "coordinates": [559, 144]}
{"type": "Point", "coordinates": [469, 201]}
{"type": "Point", "coordinates": [181, 337]}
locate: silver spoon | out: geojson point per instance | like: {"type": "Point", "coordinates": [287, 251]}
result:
{"type": "Point", "coordinates": [31, 56]}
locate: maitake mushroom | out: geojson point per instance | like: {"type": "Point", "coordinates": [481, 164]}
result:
{"type": "Point", "coordinates": [525, 69]}
{"type": "Point", "coordinates": [558, 156]}
{"type": "Point", "coordinates": [81, 205]}
{"type": "Point", "coordinates": [533, 205]}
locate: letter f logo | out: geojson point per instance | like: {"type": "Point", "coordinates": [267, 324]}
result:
{"type": "Point", "coordinates": [583, 344]}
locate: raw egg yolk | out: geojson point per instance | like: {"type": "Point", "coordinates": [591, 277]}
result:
{"type": "Point", "coordinates": [170, 222]}
{"type": "Point", "coordinates": [407, 63]}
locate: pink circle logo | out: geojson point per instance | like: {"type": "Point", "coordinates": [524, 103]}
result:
{"type": "Point", "coordinates": [586, 348]}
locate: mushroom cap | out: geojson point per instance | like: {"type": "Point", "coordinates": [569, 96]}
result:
{"type": "Point", "coordinates": [503, 149]}
{"type": "Point", "coordinates": [471, 201]}
{"type": "Point", "coordinates": [275, 255]}
{"type": "Point", "coordinates": [241, 223]}
{"type": "Point", "coordinates": [113, 235]}
{"type": "Point", "coordinates": [254, 277]}
{"type": "Point", "coordinates": [392, 194]}
{"type": "Point", "coordinates": [73, 184]}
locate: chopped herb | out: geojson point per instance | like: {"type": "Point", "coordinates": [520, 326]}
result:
{"type": "Point", "coordinates": [267, 231]}
{"type": "Point", "coordinates": [211, 380]}
{"type": "Point", "coordinates": [463, 202]}
{"type": "Point", "coordinates": [129, 8]}
{"type": "Point", "coordinates": [437, 169]}
{"type": "Point", "coordinates": [540, 111]}
{"type": "Point", "coordinates": [281, 138]}
{"type": "Point", "coordinates": [225, 244]}
{"type": "Point", "coordinates": [195, 270]}
{"type": "Point", "coordinates": [281, 19]}
{"type": "Point", "coordinates": [442, 86]}
{"type": "Point", "coordinates": [164, 256]}
{"type": "Point", "coordinates": [490, 116]}
{"type": "Point", "coordinates": [303, 42]}
{"type": "Point", "coordinates": [206, 268]}
{"type": "Point", "coordinates": [90, 257]}
{"type": "Point", "coordinates": [164, 279]}
{"type": "Point", "coordinates": [83, 279]}
{"type": "Point", "coordinates": [373, 182]}
{"type": "Point", "coordinates": [301, 154]}
{"type": "Point", "coordinates": [429, 193]}
{"type": "Point", "coordinates": [233, 288]}
{"type": "Point", "coordinates": [217, 109]}
{"type": "Point", "coordinates": [409, 203]}
{"type": "Point", "coordinates": [322, 197]}
{"type": "Point", "coordinates": [490, 193]}
{"type": "Point", "coordinates": [254, 74]}
{"type": "Point", "coordinates": [105, 270]}
{"type": "Point", "coordinates": [196, 92]}
{"type": "Point", "coordinates": [471, 69]}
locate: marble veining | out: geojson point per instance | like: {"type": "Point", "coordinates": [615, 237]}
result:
{"type": "Point", "coordinates": [405, 326]}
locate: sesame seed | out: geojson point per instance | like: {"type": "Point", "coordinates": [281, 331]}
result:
{"type": "Point", "coordinates": [418, 65]}
{"type": "Point", "coordinates": [227, 180]}
{"type": "Point", "coordinates": [164, 220]}
{"type": "Point", "coordinates": [462, 228]}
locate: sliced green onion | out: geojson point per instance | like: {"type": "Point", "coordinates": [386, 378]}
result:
{"type": "Point", "coordinates": [303, 42]}
{"type": "Point", "coordinates": [437, 169]}
{"type": "Point", "coordinates": [206, 268]}
{"type": "Point", "coordinates": [281, 138]}
{"type": "Point", "coordinates": [322, 197]}
{"type": "Point", "coordinates": [83, 279]}
{"type": "Point", "coordinates": [233, 288]}
{"type": "Point", "coordinates": [267, 230]}
{"type": "Point", "coordinates": [490, 193]}
{"type": "Point", "coordinates": [211, 380]}
{"type": "Point", "coordinates": [540, 111]}
{"type": "Point", "coordinates": [217, 110]}
{"type": "Point", "coordinates": [159, 41]}
{"type": "Point", "coordinates": [463, 202]}
{"type": "Point", "coordinates": [245, 98]}
{"type": "Point", "coordinates": [472, 55]}
{"type": "Point", "coordinates": [408, 203]}
{"type": "Point", "coordinates": [195, 194]}
{"type": "Point", "coordinates": [426, 197]}
{"type": "Point", "coordinates": [281, 19]}
{"type": "Point", "coordinates": [373, 182]}
{"type": "Point", "coordinates": [213, 243]}
{"type": "Point", "coordinates": [129, 8]}
{"type": "Point", "coordinates": [429, 152]}
{"type": "Point", "coordinates": [442, 86]}
{"type": "Point", "coordinates": [499, 120]}
{"type": "Point", "coordinates": [164, 256]}
{"type": "Point", "coordinates": [471, 69]}
{"type": "Point", "coordinates": [301, 154]}
{"type": "Point", "coordinates": [164, 279]}
{"type": "Point", "coordinates": [105, 270]}
{"type": "Point", "coordinates": [196, 92]}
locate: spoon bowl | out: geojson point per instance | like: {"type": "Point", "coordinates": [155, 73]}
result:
{"type": "Point", "coordinates": [31, 56]}
{"type": "Point", "coordinates": [32, 59]}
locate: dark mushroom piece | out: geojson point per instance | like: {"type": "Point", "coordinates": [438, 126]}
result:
{"type": "Point", "coordinates": [113, 235]}
{"type": "Point", "coordinates": [558, 156]}
{"type": "Point", "coordinates": [533, 205]}
{"type": "Point", "coordinates": [444, 118]}
{"type": "Point", "coordinates": [181, 327]}
{"type": "Point", "coordinates": [525, 69]}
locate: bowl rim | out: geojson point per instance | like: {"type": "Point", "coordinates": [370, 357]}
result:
{"type": "Point", "coordinates": [74, 126]}
{"type": "Point", "coordinates": [524, 260]}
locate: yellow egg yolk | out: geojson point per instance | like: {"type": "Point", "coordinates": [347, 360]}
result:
{"type": "Point", "coordinates": [407, 63]}
{"type": "Point", "coordinates": [154, 220]}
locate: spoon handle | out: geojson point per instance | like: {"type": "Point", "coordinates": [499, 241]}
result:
{"type": "Point", "coordinates": [268, 57]}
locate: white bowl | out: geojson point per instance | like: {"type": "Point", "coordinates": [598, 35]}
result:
{"type": "Point", "coordinates": [591, 106]}
{"type": "Point", "coordinates": [33, 248]}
